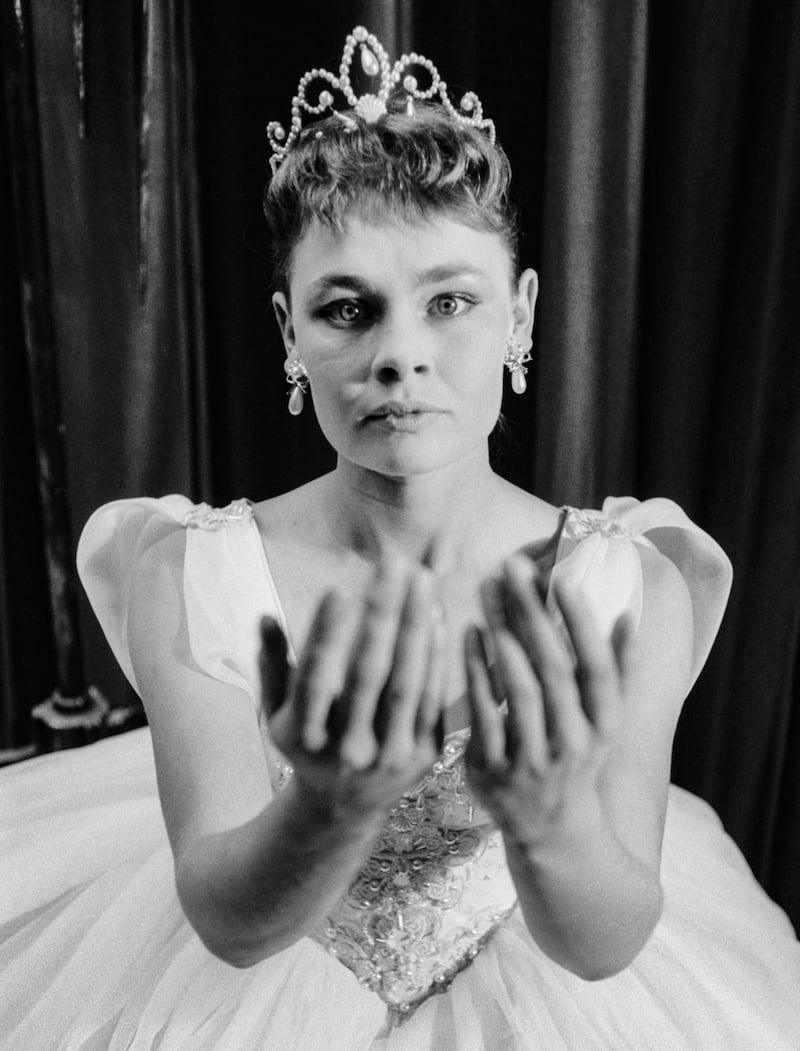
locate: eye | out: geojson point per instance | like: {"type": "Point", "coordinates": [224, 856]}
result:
{"type": "Point", "coordinates": [347, 313]}
{"type": "Point", "coordinates": [451, 304]}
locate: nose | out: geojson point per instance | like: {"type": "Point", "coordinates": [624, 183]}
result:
{"type": "Point", "coordinates": [401, 351]}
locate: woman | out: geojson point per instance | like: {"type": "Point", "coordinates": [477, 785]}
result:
{"type": "Point", "coordinates": [426, 809]}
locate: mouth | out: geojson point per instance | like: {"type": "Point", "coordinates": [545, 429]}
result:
{"type": "Point", "coordinates": [400, 408]}
{"type": "Point", "coordinates": [403, 415]}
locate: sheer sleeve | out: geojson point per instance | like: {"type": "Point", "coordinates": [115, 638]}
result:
{"type": "Point", "coordinates": [223, 579]}
{"type": "Point", "coordinates": [600, 551]}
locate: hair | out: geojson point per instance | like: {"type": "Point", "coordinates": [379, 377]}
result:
{"type": "Point", "coordinates": [409, 167]}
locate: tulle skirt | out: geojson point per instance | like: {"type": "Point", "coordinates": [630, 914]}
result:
{"type": "Point", "coordinates": [95, 953]}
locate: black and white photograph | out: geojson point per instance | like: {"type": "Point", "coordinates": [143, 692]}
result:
{"type": "Point", "coordinates": [400, 525]}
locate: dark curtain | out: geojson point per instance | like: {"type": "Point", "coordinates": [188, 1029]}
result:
{"type": "Point", "coordinates": [655, 150]}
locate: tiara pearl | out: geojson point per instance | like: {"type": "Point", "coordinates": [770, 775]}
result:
{"type": "Point", "coordinates": [371, 106]}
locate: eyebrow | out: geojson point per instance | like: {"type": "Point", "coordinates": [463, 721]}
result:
{"type": "Point", "coordinates": [446, 272]}
{"type": "Point", "coordinates": [434, 274]}
{"type": "Point", "coordinates": [329, 281]}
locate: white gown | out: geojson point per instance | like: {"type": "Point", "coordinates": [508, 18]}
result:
{"type": "Point", "coordinates": [428, 949]}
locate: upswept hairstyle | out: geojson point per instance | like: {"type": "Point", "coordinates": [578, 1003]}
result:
{"type": "Point", "coordinates": [409, 166]}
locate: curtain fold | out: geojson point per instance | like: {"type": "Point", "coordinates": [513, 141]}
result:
{"type": "Point", "coordinates": [27, 658]}
{"type": "Point", "coordinates": [123, 241]}
{"type": "Point", "coordinates": [586, 370]}
{"type": "Point", "coordinates": [746, 474]}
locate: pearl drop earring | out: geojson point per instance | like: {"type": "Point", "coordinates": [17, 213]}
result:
{"type": "Point", "coordinates": [515, 359]}
{"type": "Point", "coordinates": [297, 378]}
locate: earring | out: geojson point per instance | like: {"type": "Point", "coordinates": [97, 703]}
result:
{"type": "Point", "coordinates": [297, 378]}
{"type": "Point", "coordinates": [515, 359]}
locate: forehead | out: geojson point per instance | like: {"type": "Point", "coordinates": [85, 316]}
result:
{"type": "Point", "coordinates": [397, 248]}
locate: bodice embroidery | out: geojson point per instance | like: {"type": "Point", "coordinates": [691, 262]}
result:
{"type": "Point", "coordinates": [432, 892]}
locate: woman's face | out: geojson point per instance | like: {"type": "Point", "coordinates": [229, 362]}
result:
{"type": "Point", "coordinates": [402, 328]}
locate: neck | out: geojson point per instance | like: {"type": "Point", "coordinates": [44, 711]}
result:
{"type": "Point", "coordinates": [431, 517]}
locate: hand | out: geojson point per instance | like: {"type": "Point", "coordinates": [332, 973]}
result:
{"type": "Point", "coordinates": [360, 718]}
{"type": "Point", "coordinates": [538, 770]}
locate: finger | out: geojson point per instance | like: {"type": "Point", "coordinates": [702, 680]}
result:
{"type": "Point", "coordinates": [494, 611]}
{"type": "Point", "coordinates": [526, 723]}
{"type": "Point", "coordinates": [596, 670]}
{"type": "Point", "coordinates": [547, 652]}
{"type": "Point", "coordinates": [488, 740]}
{"type": "Point", "coordinates": [371, 660]}
{"type": "Point", "coordinates": [321, 670]}
{"type": "Point", "coordinates": [273, 666]}
{"type": "Point", "coordinates": [430, 710]}
{"type": "Point", "coordinates": [399, 701]}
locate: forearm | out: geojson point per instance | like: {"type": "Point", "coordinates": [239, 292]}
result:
{"type": "Point", "coordinates": [587, 901]}
{"type": "Point", "coordinates": [254, 890]}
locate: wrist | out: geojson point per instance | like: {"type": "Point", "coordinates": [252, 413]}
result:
{"type": "Point", "coordinates": [571, 832]}
{"type": "Point", "coordinates": [325, 813]}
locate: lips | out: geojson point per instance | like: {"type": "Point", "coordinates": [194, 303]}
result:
{"type": "Point", "coordinates": [400, 408]}
{"type": "Point", "coordinates": [402, 417]}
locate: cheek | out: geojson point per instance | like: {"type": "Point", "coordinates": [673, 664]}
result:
{"type": "Point", "coordinates": [490, 397]}
{"type": "Point", "coordinates": [335, 384]}
{"type": "Point", "coordinates": [332, 393]}
{"type": "Point", "coordinates": [477, 368]}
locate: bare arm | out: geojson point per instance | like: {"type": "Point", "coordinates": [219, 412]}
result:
{"type": "Point", "coordinates": [357, 721]}
{"type": "Point", "coordinates": [577, 776]}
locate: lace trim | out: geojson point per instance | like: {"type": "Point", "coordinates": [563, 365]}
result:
{"type": "Point", "coordinates": [580, 524]}
{"type": "Point", "coordinates": [206, 517]}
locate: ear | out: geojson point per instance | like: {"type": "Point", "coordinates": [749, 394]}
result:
{"type": "Point", "coordinates": [283, 313]}
{"type": "Point", "coordinates": [525, 307]}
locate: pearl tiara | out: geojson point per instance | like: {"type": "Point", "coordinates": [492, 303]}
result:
{"type": "Point", "coordinates": [371, 106]}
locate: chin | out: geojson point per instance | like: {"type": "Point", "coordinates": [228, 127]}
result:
{"type": "Point", "coordinates": [405, 462]}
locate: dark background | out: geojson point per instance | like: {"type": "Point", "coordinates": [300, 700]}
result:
{"type": "Point", "coordinates": [655, 150]}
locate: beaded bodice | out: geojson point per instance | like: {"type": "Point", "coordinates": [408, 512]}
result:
{"type": "Point", "coordinates": [430, 895]}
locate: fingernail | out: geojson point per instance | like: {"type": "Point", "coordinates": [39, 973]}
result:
{"type": "Point", "coordinates": [268, 627]}
{"type": "Point", "coordinates": [438, 732]}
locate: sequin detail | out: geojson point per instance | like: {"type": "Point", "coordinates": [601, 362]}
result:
{"type": "Point", "coordinates": [414, 917]}
{"type": "Point", "coordinates": [581, 524]}
{"type": "Point", "coordinates": [206, 517]}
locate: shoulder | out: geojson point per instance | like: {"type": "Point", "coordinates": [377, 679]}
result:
{"type": "Point", "coordinates": [648, 560]}
{"type": "Point", "coordinates": [283, 514]}
{"type": "Point", "coordinates": [151, 565]}
{"type": "Point", "coordinates": [144, 543]}
{"type": "Point", "coordinates": [531, 508]}
{"type": "Point", "coordinates": [116, 543]}
{"type": "Point", "coordinates": [118, 534]}
{"type": "Point", "coordinates": [520, 521]}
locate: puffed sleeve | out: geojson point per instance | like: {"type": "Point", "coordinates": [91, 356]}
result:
{"type": "Point", "coordinates": [225, 585]}
{"type": "Point", "coordinates": [599, 551]}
